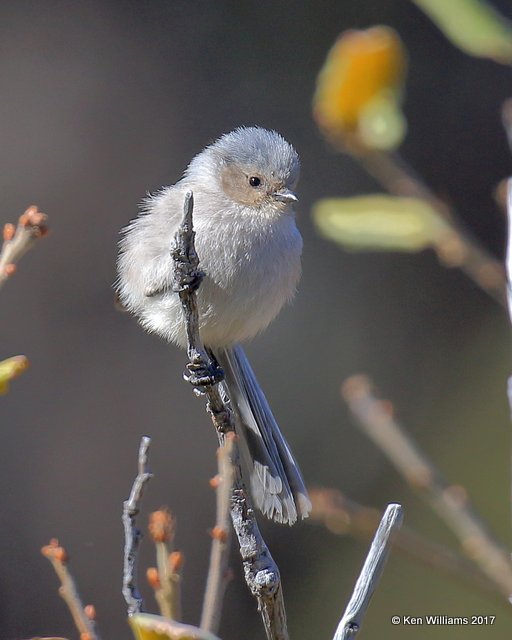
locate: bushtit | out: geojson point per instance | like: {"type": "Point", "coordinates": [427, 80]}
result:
{"type": "Point", "coordinates": [249, 249]}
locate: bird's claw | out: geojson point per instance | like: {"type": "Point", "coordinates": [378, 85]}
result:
{"type": "Point", "coordinates": [202, 374]}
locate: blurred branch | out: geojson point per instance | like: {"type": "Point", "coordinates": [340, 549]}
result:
{"type": "Point", "coordinates": [370, 574]}
{"type": "Point", "coordinates": [341, 516]}
{"type": "Point", "coordinates": [18, 240]}
{"type": "Point", "coordinates": [458, 249]}
{"type": "Point", "coordinates": [132, 534]}
{"type": "Point", "coordinates": [261, 572]}
{"type": "Point", "coordinates": [165, 578]}
{"type": "Point", "coordinates": [375, 417]}
{"type": "Point", "coordinates": [83, 617]}
{"type": "Point", "coordinates": [218, 571]}
{"type": "Point", "coordinates": [507, 118]}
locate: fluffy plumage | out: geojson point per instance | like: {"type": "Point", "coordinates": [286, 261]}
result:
{"type": "Point", "coordinates": [249, 248]}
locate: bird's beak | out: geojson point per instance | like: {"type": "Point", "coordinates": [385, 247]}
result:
{"type": "Point", "coordinates": [285, 195]}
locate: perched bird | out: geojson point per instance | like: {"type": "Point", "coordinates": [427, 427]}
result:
{"type": "Point", "coordinates": [249, 249]}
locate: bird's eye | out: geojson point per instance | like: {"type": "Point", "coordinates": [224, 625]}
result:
{"type": "Point", "coordinates": [254, 181]}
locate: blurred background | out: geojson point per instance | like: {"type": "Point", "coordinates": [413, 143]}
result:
{"type": "Point", "coordinates": [104, 101]}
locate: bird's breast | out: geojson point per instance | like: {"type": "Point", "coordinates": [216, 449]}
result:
{"type": "Point", "coordinates": [252, 269]}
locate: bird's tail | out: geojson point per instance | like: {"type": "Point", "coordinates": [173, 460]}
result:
{"type": "Point", "coordinates": [276, 481]}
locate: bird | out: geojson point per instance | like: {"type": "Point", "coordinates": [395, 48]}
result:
{"type": "Point", "coordinates": [249, 248]}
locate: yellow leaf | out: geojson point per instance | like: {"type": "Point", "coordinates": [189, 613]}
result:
{"type": "Point", "coordinates": [10, 369]}
{"type": "Point", "coordinates": [362, 67]}
{"type": "Point", "coordinates": [146, 626]}
{"type": "Point", "coordinates": [380, 222]}
{"type": "Point", "coordinates": [473, 26]}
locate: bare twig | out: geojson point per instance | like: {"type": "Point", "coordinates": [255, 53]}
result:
{"type": "Point", "coordinates": [507, 119]}
{"type": "Point", "coordinates": [132, 534]}
{"type": "Point", "coordinates": [370, 574]}
{"type": "Point", "coordinates": [343, 516]}
{"type": "Point", "coordinates": [457, 248]}
{"type": "Point", "coordinates": [261, 572]}
{"type": "Point", "coordinates": [509, 246]}
{"type": "Point", "coordinates": [219, 555]}
{"type": "Point", "coordinates": [450, 502]}
{"type": "Point", "coordinates": [18, 240]}
{"type": "Point", "coordinates": [83, 617]}
{"type": "Point", "coordinates": [166, 578]}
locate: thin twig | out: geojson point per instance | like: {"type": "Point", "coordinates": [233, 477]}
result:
{"type": "Point", "coordinates": [219, 555]}
{"type": "Point", "coordinates": [166, 577]}
{"type": "Point", "coordinates": [507, 119]}
{"type": "Point", "coordinates": [133, 535]}
{"type": "Point", "coordinates": [18, 240]}
{"type": "Point", "coordinates": [342, 516]}
{"type": "Point", "coordinates": [458, 248]}
{"type": "Point", "coordinates": [83, 616]}
{"type": "Point", "coordinates": [370, 574]}
{"type": "Point", "coordinates": [451, 503]}
{"type": "Point", "coordinates": [261, 572]}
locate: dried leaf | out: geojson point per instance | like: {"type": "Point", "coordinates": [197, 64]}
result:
{"type": "Point", "coordinates": [10, 369]}
{"type": "Point", "coordinates": [380, 222]}
{"type": "Point", "coordinates": [146, 626]}
{"type": "Point", "coordinates": [473, 26]}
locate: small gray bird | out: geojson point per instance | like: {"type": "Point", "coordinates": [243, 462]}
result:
{"type": "Point", "coordinates": [249, 249]}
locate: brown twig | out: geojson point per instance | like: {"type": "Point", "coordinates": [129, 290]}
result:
{"type": "Point", "coordinates": [451, 503]}
{"type": "Point", "coordinates": [342, 516]}
{"type": "Point", "coordinates": [371, 573]}
{"type": "Point", "coordinates": [132, 535]}
{"type": "Point", "coordinates": [83, 617]}
{"type": "Point", "coordinates": [456, 248]}
{"type": "Point", "coordinates": [166, 577]}
{"type": "Point", "coordinates": [261, 572]}
{"type": "Point", "coordinates": [219, 555]}
{"type": "Point", "coordinates": [18, 240]}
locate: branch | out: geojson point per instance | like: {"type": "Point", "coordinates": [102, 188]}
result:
{"type": "Point", "coordinates": [132, 535]}
{"type": "Point", "coordinates": [261, 572]}
{"type": "Point", "coordinates": [451, 503]}
{"type": "Point", "coordinates": [18, 240]}
{"type": "Point", "coordinates": [370, 574]}
{"type": "Point", "coordinates": [507, 118]}
{"type": "Point", "coordinates": [509, 246]}
{"type": "Point", "coordinates": [341, 516]}
{"type": "Point", "coordinates": [83, 617]}
{"type": "Point", "coordinates": [166, 577]}
{"type": "Point", "coordinates": [459, 248]}
{"type": "Point", "coordinates": [219, 555]}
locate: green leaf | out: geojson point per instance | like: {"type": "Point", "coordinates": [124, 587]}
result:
{"type": "Point", "coordinates": [9, 369]}
{"type": "Point", "coordinates": [473, 26]}
{"type": "Point", "coordinates": [146, 626]}
{"type": "Point", "coordinates": [380, 222]}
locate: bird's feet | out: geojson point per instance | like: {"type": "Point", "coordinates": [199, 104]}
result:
{"type": "Point", "coordinates": [203, 371]}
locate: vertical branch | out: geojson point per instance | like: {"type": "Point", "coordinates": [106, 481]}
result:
{"type": "Point", "coordinates": [132, 535]}
{"type": "Point", "coordinates": [166, 577]}
{"type": "Point", "coordinates": [370, 574]}
{"type": "Point", "coordinates": [219, 555]}
{"type": "Point", "coordinates": [261, 572]}
{"type": "Point", "coordinates": [450, 502]}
